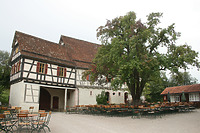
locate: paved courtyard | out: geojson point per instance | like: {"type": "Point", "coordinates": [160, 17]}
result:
{"type": "Point", "coordinates": [77, 123]}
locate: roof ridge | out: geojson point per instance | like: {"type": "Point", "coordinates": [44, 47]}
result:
{"type": "Point", "coordinates": [79, 40]}
{"type": "Point", "coordinates": [32, 36]}
{"type": "Point", "coordinates": [182, 85]}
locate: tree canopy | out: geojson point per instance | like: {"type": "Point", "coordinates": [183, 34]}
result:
{"type": "Point", "coordinates": [130, 52]}
{"type": "Point", "coordinates": [4, 69]}
{"type": "Point", "coordinates": [4, 74]}
{"type": "Point", "coordinates": [181, 78]}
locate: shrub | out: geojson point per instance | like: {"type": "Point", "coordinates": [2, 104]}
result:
{"type": "Point", "coordinates": [101, 98]}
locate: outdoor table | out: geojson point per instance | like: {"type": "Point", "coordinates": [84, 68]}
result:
{"type": "Point", "coordinates": [32, 115]}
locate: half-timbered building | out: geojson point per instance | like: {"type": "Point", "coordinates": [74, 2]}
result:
{"type": "Point", "coordinates": [48, 75]}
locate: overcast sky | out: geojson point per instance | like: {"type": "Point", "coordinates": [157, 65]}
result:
{"type": "Point", "coordinates": [49, 19]}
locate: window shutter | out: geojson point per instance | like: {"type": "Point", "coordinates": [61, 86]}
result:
{"type": "Point", "coordinates": [88, 77]}
{"type": "Point", "coordinates": [19, 65]}
{"type": "Point", "coordinates": [65, 72]}
{"type": "Point", "coordinates": [58, 71]}
{"type": "Point", "coordinates": [107, 79]}
{"type": "Point", "coordinates": [46, 68]}
{"type": "Point", "coordinates": [14, 69]}
{"type": "Point", "coordinates": [38, 67]}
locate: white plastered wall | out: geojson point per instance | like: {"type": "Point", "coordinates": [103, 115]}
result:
{"type": "Point", "coordinates": [88, 96]}
{"type": "Point", "coordinates": [17, 96]}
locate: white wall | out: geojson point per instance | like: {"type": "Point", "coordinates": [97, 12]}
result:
{"type": "Point", "coordinates": [18, 98]}
{"type": "Point", "coordinates": [85, 98]}
{"type": "Point", "coordinates": [17, 94]}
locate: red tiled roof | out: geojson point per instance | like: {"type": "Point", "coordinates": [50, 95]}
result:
{"type": "Point", "coordinates": [180, 89]}
{"type": "Point", "coordinates": [82, 52]}
{"type": "Point", "coordinates": [74, 52]}
{"type": "Point", "coordinates": [42, 49]}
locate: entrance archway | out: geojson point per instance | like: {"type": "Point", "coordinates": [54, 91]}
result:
{"type": "Point", "coordinates": [125, 97]}
{"type": "Point", "coordinates": [108, 97]}
{"type": "Point", "coordinates": [45, 100]}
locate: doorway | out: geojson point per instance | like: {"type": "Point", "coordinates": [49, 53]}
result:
{"type": "Point", "coordinates": [55, 102]}
{"type": "Point", "coordinates": [107, 97]}
{"type": "Point", "coordinates": [125, 97]}
{"type": "Point", "coordinates": [45, 99]}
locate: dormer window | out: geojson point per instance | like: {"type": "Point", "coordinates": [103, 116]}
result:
{"type": "Point", "coordinates": [16, 50]}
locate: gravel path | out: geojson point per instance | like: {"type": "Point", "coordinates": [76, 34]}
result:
{"type": "Point", "coordinates": [77, 123]}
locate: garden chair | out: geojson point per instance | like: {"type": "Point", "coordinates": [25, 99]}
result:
{"type": "Point", "coordinates": [38, 124]}
{"type": "Point", "coordinates": [41, 111]}
{"type": "Point", "coordinates": [23, 121]}
{"type": "Point", "coordinates": [31, 109]}
{"type": "Point", "coordinates": [23, 111]}
{"type": "Point", "coordinates": [42, 122]}
{"type": "Point", "coordinates": [47, 122]}
{"type": "Point", "coordinates": [5, 124]}
{"type": "Point", "coordinates": [10, 117]}
{"type": "Point", "coordinates": [17, 109]}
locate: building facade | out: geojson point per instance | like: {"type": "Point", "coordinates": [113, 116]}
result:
{"type": "Point", "coordinates": [175, 94]}
{"type": "Point", "coordinates": [48, 75]}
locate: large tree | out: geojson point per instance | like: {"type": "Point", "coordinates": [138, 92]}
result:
{"type": "Point", "coordinates": [4, 74]}
{"type": "Point", "coordinates": [130, 52]}
{"type": "Point", "coordinates": [155, 86]}
{"type": "Point", "coordinates": [4, 69]}
{"type": "Point", "coordinates": [181, 78]}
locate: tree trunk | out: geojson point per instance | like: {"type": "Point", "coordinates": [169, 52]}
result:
{"type": "Point", "coordinates": [136, 99]}
{"type": "Point", "coordinates": [135, 93]}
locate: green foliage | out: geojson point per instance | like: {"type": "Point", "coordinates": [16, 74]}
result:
{"type": "Point", "coordinates": [130, 52]}
{"type": "Point", "coordinates": [4, 98]}
{"type": "Point", "coordinates": [181, 78]}
{"type": "Point", "coordinates": [4, 76]}
{"type": "Point", "coordinates": [154, 87]}
{"type": "Point", "coordinates": [101, 98]}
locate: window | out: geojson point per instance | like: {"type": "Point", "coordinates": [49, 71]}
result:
{"type": "Point", "coordinates": [61, 71]}
{"type": "Point", "coordinates": [194, 97]}
{"type": "Point", "coordinates": [175, 98]}
{"type": "Point", "coordinates": [90, 93]}
{"type": "Point", "coordinates": [13, 69]}
{"type": "Point", "coordinates": [16, 50]}
{"type": "Point", "coordinates": [119, 94]}
{"type": "Point", "coordinates": [42, 68]}
{"type": "Point", "coordinates": [16, 67]}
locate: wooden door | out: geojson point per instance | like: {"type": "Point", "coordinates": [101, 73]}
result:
{"type": "Point", "coordinates": [125, 97]}
{"type": "Point", "coordinates": [55, 102]}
